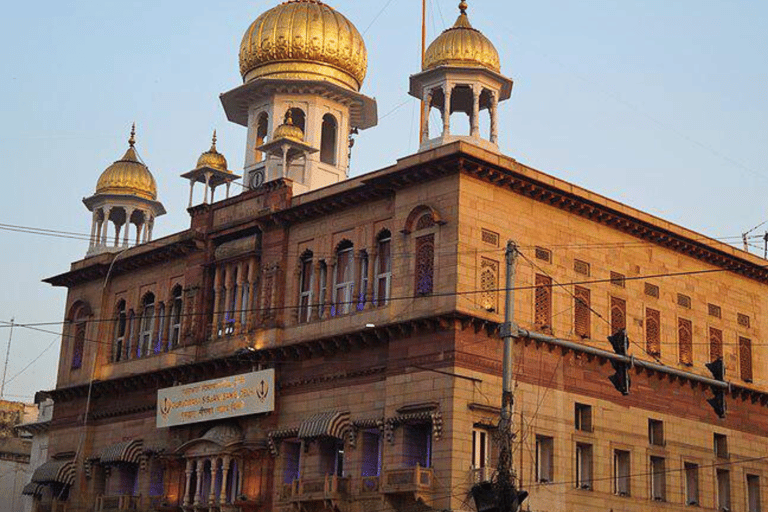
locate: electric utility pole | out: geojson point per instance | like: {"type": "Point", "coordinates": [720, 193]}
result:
{"type": "Point", "coordinates": [7, 355]}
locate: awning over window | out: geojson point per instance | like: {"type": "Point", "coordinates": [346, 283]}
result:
{"type": "Point", "coordinates": [325, 424]}
{"type": "Point", "coordinates": [55, 471]}
{"type": "Point", "coordinates": [127, 452]}
{"type": "Point", "coordinates": [32, 489]}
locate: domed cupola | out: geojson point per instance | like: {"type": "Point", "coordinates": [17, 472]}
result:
{"type": "Point", "coordinates": [461, 72]}
{"type": "Point", "coordinates": [302, 58]}
{"type": "Point", "coordinates": [211, 170]}
{"type": "Point", "coordinates": [126, 193]}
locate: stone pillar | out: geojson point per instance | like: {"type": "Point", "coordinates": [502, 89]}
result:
{"type": "Point", "coordinates": [225, 461]}
{"type": "Point", "coordinates": [207, 186]}
{"type": "Point", "coordinates": [252, 291]}
{"type": "Point", "coordinates": [228, 184]}
{"type": "Point", "coordinates": [217, 291]}
{"type": "Point", "coordinates": [238, 306]}
{"type": "Point", "coordinates": [128, 215]}
{"type": "Point", "coordinates": [199, 486]}
{"type": "Point", "coordinates": [372, 271]}
{"type": "Point", "coordinates": [447, 111]}
{"type": "Point", "coordinates": [191, 191]}
{"type": "Point", "coordinates": [94, 222]}
{"type": "Point", "coordinates": [188, 483]}
{"type": "Point", "coordinates": [105, 225]}
{"type": "Point", "coordinates": [139, 226]}
{"type": "Point", "coordinates": [494, 118]}
{"type": "Point", "coordinates": [357, 289]}
{"type": "Point", "coordinates": [314, 310]}
{"type": "Point", "coordinates": [330, 277]}
{"type": "Point", "coordinates": [151, 227]}
{"type": "Point", "coordinates": [475, 132]}
{"type": "Point", "coordinates": [118, 227]}
{"type": "Point", "coordinates": [214, 473]}
{"type": "Point", "coordinates": [425, 117]}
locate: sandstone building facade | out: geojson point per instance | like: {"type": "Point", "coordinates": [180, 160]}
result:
{"type": "Point", "coordinates": [363, 313]}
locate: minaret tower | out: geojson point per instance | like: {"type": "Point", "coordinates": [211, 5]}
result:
{"type": "Point", "coordinates": [126, 194]}
{"type": "Point", "coordinates": [302, 64]}
{"type": "Point", "coordinates": [461, 73]}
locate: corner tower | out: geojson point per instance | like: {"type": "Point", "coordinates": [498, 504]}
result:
{"type": "Point", "coordinates": [460, 73]}
{"type": "Point", "coordinates": [126, 194]}
{"type": "Point", "coordinates": [303, 64]}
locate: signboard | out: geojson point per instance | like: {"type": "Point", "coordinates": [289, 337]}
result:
{"type": "Point", "coordinates": [228, 397]}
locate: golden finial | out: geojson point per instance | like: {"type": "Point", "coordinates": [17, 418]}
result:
{"type": "Point", "coordinates": [288, 118]}
{"type": "Point", "coordinates": [213, 141]}
{"type": "Point", "coordinates": [463, 7]}
{"type": "Point", "coordinates": [132, 138]}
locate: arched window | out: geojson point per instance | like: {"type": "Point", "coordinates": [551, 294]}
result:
{"type": "Point", "coordinates": [383, 268]}
{"type": "Point", "coordinates": [426, 221]}
{"type": "Point", "coordinates": [323, 277]}
{"type": "Point", "coordinates": [363, 280]}
{"type": "Point", "coordinates": [159, 345]}
{"type": "Point", "coordinates": [344, 281]}
{"type": "Point", "coordinates": [175, 317]}
{"type": "Point", "coordinates": [306, 284]}
{"type": "Point", "coordinates": [147, 325]}
{"type": "Point", "coordinates": [130, 335]}
{"type": "Point", "coordinates": [425, 264]}
{"type": "Point", "coordinates": [79, 319]}
{"type": "Point", "coordinates": [328, 138]}
{"type": "Point", "coordinates": [262, 127]}
{"type": "Point", "coordinates": [297, 117]}
{"type": "Point", "coordinates": [121, 324]}
{"type": "Point", "coordinates": [489, 270]}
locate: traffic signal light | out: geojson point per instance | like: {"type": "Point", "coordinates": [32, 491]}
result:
{"type": "Point", "coordinates": [620, 379]}
{"type": "Point", "coordinates": [717, 368]}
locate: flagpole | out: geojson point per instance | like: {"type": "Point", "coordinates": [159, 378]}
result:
{"type": "Point", "coordinates": [423, 49]}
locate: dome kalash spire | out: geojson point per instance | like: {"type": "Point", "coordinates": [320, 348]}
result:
{"type": "Point", "coordinates": [126, 194]}
{"type": "Point", "coordinates": [302, 58]}
{"type": "Point", "coordinates": [461, 72]}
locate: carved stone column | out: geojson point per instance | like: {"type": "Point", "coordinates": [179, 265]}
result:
{"type": "Point", "coordinates": [199, 486]}
{"type": "Point", "coordinates": [128, 215]}
{"type": "Point", "coordinates": [238, 306]}
{"type": "Point", "coordinates": [475, 132]}
{"type": "Point", "coordinates": [425, 117]}
{"type": "Point", "coordinates": [188, 483]}
{"type": "Point", "coordinates": [253, 294]}
{"type": "Point", "coordinates": [357, 277]}
{"type": "Point", "coordinates": [105, 225]}
{"type": "Point", "coordinates": [214, 473]}
{"type": "Point", "coordinates": [217, 291]}
{"type": "Point", "coordinates": [94, 222]}
{"type": "Point", "coordinates": [225, 461]}
{"type": "Point", "coordinates": [494, 118]}
{"type": "Point", "coordinates": [314, 310]}
{"type": "Point", "coordinates": [447, 111]}
{"type": "Point", "coordinates": [372, 271]}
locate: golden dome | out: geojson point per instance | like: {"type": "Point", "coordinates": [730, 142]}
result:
{"type": "Point", "coordinates": [305, 40]}
{"type": "Point", "coordinates": [288, 130]}
{"type": "Point", "coordinates": [128, 176]}
{"type": "Point", "coordinates": [461, 46]}
{"type": "Point", "coordinates": [212, 158]}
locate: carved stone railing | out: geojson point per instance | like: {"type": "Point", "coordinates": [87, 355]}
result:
{"type": "Point", "coordinates": [369, 485]}
{"type": "Point", "coordinates": [116, 503]}
{"type": "Point", "coordinates": [408, 480]}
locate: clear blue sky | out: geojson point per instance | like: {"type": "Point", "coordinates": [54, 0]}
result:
{"type": "Point", "coordinates": [660, 105]}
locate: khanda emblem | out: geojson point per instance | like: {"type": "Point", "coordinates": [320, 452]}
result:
{"type": "Point", "coordinates": [262, 390]}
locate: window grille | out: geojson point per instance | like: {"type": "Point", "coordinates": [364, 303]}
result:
{"type": "Point", "coordinates": [653, 332]}
{"type": "Point", "coordinates": [685, 341]}
{"type": "Point", "coordinates": [543, 306]}
{"type": "Point", "coordinates": [745, 358]}
{"type": "Point", "coordinates": [489, 271]}
{"type": "Point", "coordinates": [78, 345]}
{"type": "Point", "coordinates": [425, 264]}
{"type": "Point", "coordinates": [743, 320]}
{"type": "Point", "coordinates": [417, 445]}
{"type": "Point", "coordinates": [371, 453]}
{"type": "Point", "coordinates": [618, 314]}
{"type": "Point", "coordinates": [291, 452]}
{"type": "Point", "coordinates": [306, 285]}
{"type": "Point", "coordinates": [618, 279]}
{"type": "Point", "coordinates": [345, 280]}
{"type": "Point", "coordinates": [581, 314]}
{"type": "Point", "coordinates": [581, 267]}
{"type": "Point", "coordinates": [714, 311]}
{"type": "Point", "coordinates": [543, 254]}
{"type": "Point", "coordinates": [715, 344]}
{"type": "Point", "coordinates": [425, 221]}
{"type": "Point", "coordinates": [683, 300]}
{"type": "Point", "coordinates": [490, 238]}
{"type": "Point", "coordinates": [652, 290]}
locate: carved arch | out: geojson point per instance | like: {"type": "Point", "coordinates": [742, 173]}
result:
{"type": "Point", "coordinates": [417, 213]}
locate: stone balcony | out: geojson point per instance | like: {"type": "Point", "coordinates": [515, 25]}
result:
{"type": "Point", "coordinates": [415, 483]}
{"type": "Point", "coordinates": [116, 503]}
{"type": "Point", "coordinates": [308, 491]}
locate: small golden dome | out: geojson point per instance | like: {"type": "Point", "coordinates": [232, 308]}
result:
{"type": "Point", "coordinates": [305, 40]}
{"type": "Point", "coordinates": [128, 176]}
{"type": "Point", "coordinates": [288, 130]}
{"type": "Point", "coordinates": [212, 158]}
{"type": "Point", "coordinates": [462, 46]}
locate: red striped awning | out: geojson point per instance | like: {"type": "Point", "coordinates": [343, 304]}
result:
{"type": "Point", "coordinates": [55, 471]}
{"type": "Point", "coordinates": [127, 452]}
{"type": "Point", "coordinates": [325, 424]}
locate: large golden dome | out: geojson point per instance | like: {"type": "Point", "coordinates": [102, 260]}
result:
{"type": "Point", "coordinates": [212, 158]}
{"type": "Point", "coordinates": [128, 176]}
{"type": "Point", "coordinates": [306, 40]}
{"type": "Point", "coordinates": [462, 46]}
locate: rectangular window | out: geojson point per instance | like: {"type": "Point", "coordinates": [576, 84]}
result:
{"type": "Point", "coordinates": [544, 254]}
{"type": "Point", "coordinates": [490, 237]}
{"type": "Point", "coordinates": [545, 453]}
{"type": "Point", "coordinates": [618, 279]}
{"type": "Point", "coordinates": [156, 477]}
{"type": "Point", "coordinates": [417, 445]}
{"type": "Point", "coordinates": [479, 448]}
{"type": "Point", "coordinates": [685, 341]}
{"type": "Point", "coordinates": [652, 290]}
{"type": "Point", "coordinates": [721, 446]}
{"type": "Point", "coordinates": [583, 466]}
{"type": "Point", "coordinates": [653, 332]}
{"type": "Point", "coordinates": [743, 320]}
{"type": "Point", "coordinates": [371, 453]}
{"type": "Point", "coordinates": [581, 267]}
{"type": "Point", "coordinates": [714, 311]}
{"type": "Point", "coordinates": [383, 270]}
{"type": "Point", "coordinates": [331, 457]}
{"type": "Point", "coordinates": [581, 312]}
{"type": "Point", "coordinates": [583, 417]}
{"type": "Point", "coordinates": [745, 359]}
{"type": "Point", "coordinates": [291, 451]}
{"type": "Point", "coordinates": [753, 494]}
{"type": "Point", "coordinates": [425, 264]}
{"type": "Point", "coordinates": [621, 471]}
{"type": "Point", "coordinates": [345, 281]}
{"type": "Point", "coordinates": [691, 483]}
{"type": "Point", "coordinates": [658, 479]}
{"type": "Point", "coordinates": [715, 344]}
{"type": "Point", "coordinates": [305, 289]}
{"type": "Point", "coordinates": [723, 490]}
{"type": "Point", "coordinates": [618, 314]}
{"type": "Point", "coordinates": [656, 432]}
{"type": "Point", "coordinates": [684, 301]}
{"type": "Point", "coordinates": [543, 307]}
